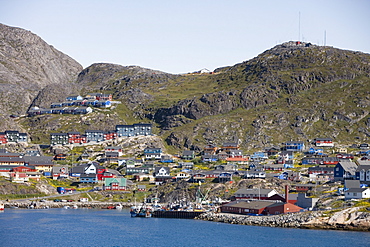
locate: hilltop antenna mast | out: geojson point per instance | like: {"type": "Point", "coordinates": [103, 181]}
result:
{"type": "Point", "coordinates": [299, 26]}
{"type": "Point", "coordinates": [325, 38]}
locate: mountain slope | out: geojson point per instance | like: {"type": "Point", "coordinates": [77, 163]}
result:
{"type": "Point", "coordinates": [27, 66]}
{"type": "Point", "coordinates": [291, 91]}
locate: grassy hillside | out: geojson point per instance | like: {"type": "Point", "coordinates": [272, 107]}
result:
{"type": "Point", "coordinates": [291, 91]}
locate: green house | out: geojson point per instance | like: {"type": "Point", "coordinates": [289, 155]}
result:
{"type": "Point", "coordinates": [115, 184]}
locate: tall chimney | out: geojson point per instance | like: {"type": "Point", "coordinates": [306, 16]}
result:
{"type": "Point", "coordinates": [286, 193]}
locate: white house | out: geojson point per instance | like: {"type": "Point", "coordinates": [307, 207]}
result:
{"type": "Point", "coordinates": [357, 193]}
{"type": "Point", "coordinates": [90, 169]}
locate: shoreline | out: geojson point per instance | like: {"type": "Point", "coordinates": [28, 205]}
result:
{"type": "Point", "coordinates": [344, 220]}
{"type": "Point", "coordinates": [50, 204]}
{"type": "Point", "coordinates": [349, 219]}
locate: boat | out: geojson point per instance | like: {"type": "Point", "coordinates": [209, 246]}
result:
{"type": "Point", "coordinates": [2, 206]}
{"type": "Point", "coordinates": [184, 209]}
{"type": "Point", "coordinates": [144, 210]}
{"type": "Point", "coordinates": [141, 211]}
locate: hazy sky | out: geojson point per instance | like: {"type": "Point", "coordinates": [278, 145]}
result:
{"type": "Point", "coordinates": [185, 36]}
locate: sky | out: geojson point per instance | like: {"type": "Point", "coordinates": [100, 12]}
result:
{"type": "Point", "coordinates": [185, 36]}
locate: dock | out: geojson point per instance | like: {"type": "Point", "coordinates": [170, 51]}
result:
{"type": "Point", "coordinates": [177, 214]}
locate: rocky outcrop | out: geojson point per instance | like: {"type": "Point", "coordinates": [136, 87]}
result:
{"type": "Point", "coordinates": [348, 219]}
{"type": "Point", "coordinates": [27, 65]}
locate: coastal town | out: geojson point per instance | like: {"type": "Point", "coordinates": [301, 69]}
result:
{"type": "Point", "coordinates": [314, 175]}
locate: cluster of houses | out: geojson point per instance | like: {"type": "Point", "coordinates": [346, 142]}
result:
{"type": "Point", "coordinates": [20, 168]}
{"type": "Point", "coordinates": [75, 104]}
{"type": "Point", "coordinates": [94, 136]}
{"type": "Point", "coordinates": [157, 167]}
{"type": "Point", "coordinates": [13, 136]}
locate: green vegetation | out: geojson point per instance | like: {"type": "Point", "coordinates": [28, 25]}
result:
{"type": "Point", "coordinates": [21, 196]}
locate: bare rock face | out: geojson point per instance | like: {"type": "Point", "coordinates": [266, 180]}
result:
{"type": "Point", "coordinates": [28, 65]}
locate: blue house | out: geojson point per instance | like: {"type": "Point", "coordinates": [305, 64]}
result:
{"type": "Point", "coordinates": [288, 164]}
{"type": "Point", "coordinates": [311, 161]}
{"type": "Point", "coordinates": [103, 103]}
{"type": "Point", "coordinates": [134, 130]}
{"type": "Point", "coordinates": [143, 129]}
{"type": "Point", "coordinates": [225, 177]}
{"type": "Point", "coordinates": [88, 178]}
{"type": "Point", "coordinates": [151, 153]}
{"type": "Point", "coordinates": [94, 135]}
{"type": "Point", "coordinates": [209, 158]}
{"type": "Point", "coordinates": [125, 130]}
{"type": "Point", "coordinates": [363, 172]}
{"type": "Point", "coordinates": [74, 97]}
{"type": "Point", "coordinates": [55, 105]}
{"type": "Point", "coordinates": [317, 151]}
{"type": "Point", "coordinates": [295, 146]}
{"type": "Point", "coordinates": [345, 170]}
{"type": "Point", "coordinates": [259, 155]}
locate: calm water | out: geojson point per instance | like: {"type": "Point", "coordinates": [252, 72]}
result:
{"type": "Point", "coordinates": [88, 227]}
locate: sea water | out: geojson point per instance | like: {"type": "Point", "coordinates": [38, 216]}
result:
{"type": "Point", "coordinates": [91, 227]}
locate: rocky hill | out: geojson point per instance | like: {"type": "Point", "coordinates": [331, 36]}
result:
{"type": "Point", "coordinates": [29, 65]}
{"type": "Point", "coordinates": [292, 91]}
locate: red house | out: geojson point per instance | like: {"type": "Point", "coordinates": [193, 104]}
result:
{"type": "Point", "coordinates": [24, 169]}
{"type": "Point", "coordinates": [100, 170]}
{"type": "Point", "coordinates": [330, 160]}
{"type": "Point", "coordinates": [324, 142]}
{"type": "Point", "coordinates": [259, 207]}
{"type": "Point", "coordinates": [76, 138]}
{"type": "Point", "coordinates": [104, 96]}
{"type": "Point", "coordinates": [282, 208]}
{"type": "Point", "coordinates": [304, 187]}
{"type": "Point", "coordinates": [110, 135]}
{"type": "Point", "coordinates": [3, 138]}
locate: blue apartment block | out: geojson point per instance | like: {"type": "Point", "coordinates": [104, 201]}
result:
{"type": "Point", "coordinates": [134, 130]}
{"type": "Point", "coordinates": [94, 135]}
{"type": "Point", "coordinates": [295, 146]}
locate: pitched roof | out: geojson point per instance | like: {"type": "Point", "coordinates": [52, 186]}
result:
{"type": "Point", "coordinates": [363, 162]}
{"type": "Point", "coordinates": [254, 191]}
{"type": "Point", "coordinates": [120, 181]}
{"type": "Point", "coordinates": [348, 166]}
{"type": "Point", "coordinates": [39, 160]}
{"type": "Point", "coordinates": [250, 204]}
{"type": "Point", "coordinates": [351, 184]}
{"type": "Point", "coordinates": [357, 190]}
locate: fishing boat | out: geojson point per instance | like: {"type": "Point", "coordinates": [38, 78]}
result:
{"type": "Point", "coordinates": [2, 206]}
{"type": "Point", "coordinates": [144, 210]}
{"type": "Point", "coordinates": [141, 211]}
{"type": "Point", "coordinates": [186, 210]}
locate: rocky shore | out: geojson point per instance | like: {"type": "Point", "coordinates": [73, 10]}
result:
{"type": "Point", "coordinates": [347, 219]}
{"type": "Point", "coordinates": [51, 204]}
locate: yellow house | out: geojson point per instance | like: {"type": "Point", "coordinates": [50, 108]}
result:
{"type": "Point", "coordinates": [11, 161]}
{"type": "Point", "coordinates": [41, 163]}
